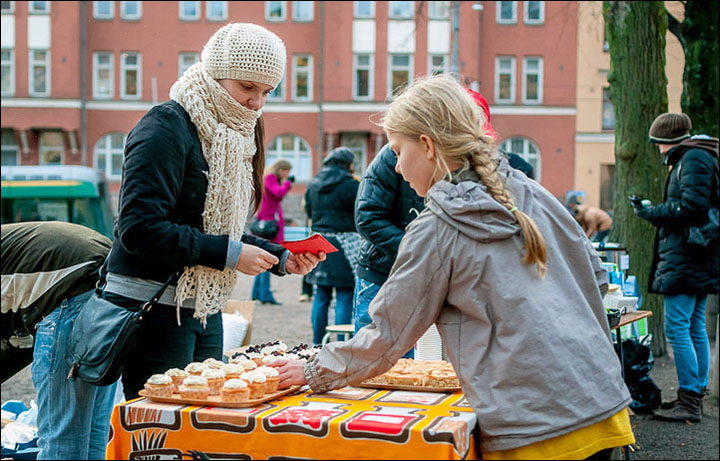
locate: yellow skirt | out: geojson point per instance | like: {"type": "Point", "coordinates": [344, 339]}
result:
{"type": "Point", "coordinates": [608, 433]}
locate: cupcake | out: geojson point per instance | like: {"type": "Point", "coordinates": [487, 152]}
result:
{"type": "Point", "coordinates": [177, 375]}
{"type": "Point", "coordinates": [247, 364]}
{"type": "Point", "coordinates": [272, 378]}
{"type": "Point", "coordinates": [215, 379]}
{"type": "Point", "coordinates": [233, 370]}
{"type": "Point", "coordinates": [256, 380]}
{"type": "Point", "coordinates": [235, 390]}
{"type": "Point", "coordinates": [195, 387]}
{"type": "Point", "coordinates": [213, 363]}
{"type": "Point", "coordinates": [255, 357]}
{"type": "Point", "coordinates": [159, 386]}
{"type": "Point", "coordinates": [271, 358]}
{"type": "Point", "coordinates": [195, 368]}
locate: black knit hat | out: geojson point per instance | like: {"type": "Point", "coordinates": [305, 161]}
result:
{"type": "Point", "coordinates": [340, 156]}
{"type": "Point", "coordinates": [670, 128]}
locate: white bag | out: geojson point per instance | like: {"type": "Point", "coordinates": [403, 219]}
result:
{"type": "Point", "coordinates": [235, 327]}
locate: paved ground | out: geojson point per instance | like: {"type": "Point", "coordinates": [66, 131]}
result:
{"type": "Point", "coordinates": [291, 323]}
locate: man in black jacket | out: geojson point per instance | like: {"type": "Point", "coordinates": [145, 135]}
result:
{"type": "Point", "coordinates": [682, 271]}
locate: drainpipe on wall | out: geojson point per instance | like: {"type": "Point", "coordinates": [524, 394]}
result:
{"type": "Point", "coordinates": [455, 44]}
{"type": "Point", "coordinates": [321, 86]}
{"type": "Point", "coordinates": [83, 83]}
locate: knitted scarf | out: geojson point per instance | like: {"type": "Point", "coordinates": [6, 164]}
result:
{"type": "Point", "coordinates": [227, 133]}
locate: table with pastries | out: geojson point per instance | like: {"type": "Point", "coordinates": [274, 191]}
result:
{"type": "Point", "coordinates": [348, 423]}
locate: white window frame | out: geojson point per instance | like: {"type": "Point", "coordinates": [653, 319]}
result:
{"type": "Point", "coordinates": [526, 154]}
{"type": "Point", "coordinates": [42, 149]}
{"type": "Point", "coordinates": [124, 68]}
{"type": "Point", "coordinates": [498, 11]}
{"type": "Point", "coordinates": [296, 157]}
{"type": "Point", "coordinates": [11, 64]}
{"type": "Point", "coordinates": [446, 65]}
{"type": "Point", "coordinates": [181, 13]}
{"type": "Point", "coordinates": [283, 10]}
{"type": "Point", "coordinates": [181, 64]}
{"type": "Point", "coordinates": [603, 126]}
{"type": "Point", "coordinates": [211, 18]}
{"type": "Point", "coordinates": [527, 19]}
{"type": "Point", "coordinates": [10, 10]}
{"type": "Point", "coordinates": [12, 147]}
{"type": "Point", "coordinates": [97, 15]}
{"type": "Point", "coordinates": [411, 66]}
{"type": "Point", "coordinates": [371, 77]}
{"type": "Point", "coordinates": [107, 152]}
{"type": "Point", "coordinates": [31, 75]}
{"type": "Point", "coordinates": [295, 70]}
{"type": "Point", "coordinates": [273, 95]}
{"type": "Point", "coordinates": [32, 10]}
{"type": "Point", "coordinates": [541, 72]}
{"type": "Point", "coordinates": [357, 15]}
{"type": "Point", "coordinates": [96, 75]}
{"type": "Point", "coordinates": [130, 17]}
{"type": "Point", "coordinates": [513, 79]}
{"type": "Point", "coordinates": [390, 10]}
{"type": "Point", "coordinates": [312, 12]}
{"type": "Point", "coordinates": [432, 13]}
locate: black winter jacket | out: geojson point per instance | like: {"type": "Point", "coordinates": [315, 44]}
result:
{"type": "Point", "coordinates": [691, 189]}
{"type": "Point", "coordinates": [159, 228]}
{"type": "Point", "coordinates": [385, 205]}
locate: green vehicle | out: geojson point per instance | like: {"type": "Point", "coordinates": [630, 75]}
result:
{"type": "Point", "coordinates": [67, 193]}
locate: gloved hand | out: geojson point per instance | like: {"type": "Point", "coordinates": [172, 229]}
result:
{"type": "Point", "coordinates": [644, 210]}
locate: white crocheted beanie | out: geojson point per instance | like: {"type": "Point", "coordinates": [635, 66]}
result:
{"type": "Point", "coordinates": [244, 51]}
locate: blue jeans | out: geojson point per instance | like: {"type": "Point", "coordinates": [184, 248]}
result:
{"type": "Point", "coordinates": [73, 416]}
{"type": "Point", "coordinates": [261, 288]}
{"type": "Point", "coordinates": [321, 302]}
{"type": "Point", "coordinates": [686, 333]}
{"type": "Point", "coordinates": [365, 292]}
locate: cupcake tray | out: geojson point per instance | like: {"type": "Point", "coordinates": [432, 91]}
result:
{"type": "Point", "coordinates": [216, 400]}
{"type": "Point", "coordinates": [408, 387]}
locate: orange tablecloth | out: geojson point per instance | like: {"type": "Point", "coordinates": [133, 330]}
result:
{"type": "Point", "coordinates": [350, 423]}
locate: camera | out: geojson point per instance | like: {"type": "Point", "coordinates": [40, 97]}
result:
{"type": "Point", "coordinates": [291, 178]}
{"type": "Point", "coordinates": [636, 200]}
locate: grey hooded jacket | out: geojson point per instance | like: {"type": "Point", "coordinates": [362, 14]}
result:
{"type": "Point", "coordinates": [533, 355]}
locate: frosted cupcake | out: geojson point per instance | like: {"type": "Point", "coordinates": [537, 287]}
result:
{"type": "Point", "coordinates": [256, 380]}
{"type": "Point", "coordinates": [177, 375]}
{"type": "Point", "coordinates": [255, 357]}
{"type": "Point", "coordinates": [272, 378]}
{"type": "Point", "coordinates": [233, 370]}
{"type": "Point", "coordinates": [271, 358]}
{"type": "Point", "coordinates": [213, 363]}
{"type": "Point", "coordinates": [215, 379]}
{"type": "Point", "coordinates": [195, 387]}
{"type": "Point", "coordinates": [195, 368]}
{"type": "Point", "coordinates": [247, 364]}
{"type": "Point", "coordinates": [235, 390]}
{"type": "Point", "coordinates": [159, 386]}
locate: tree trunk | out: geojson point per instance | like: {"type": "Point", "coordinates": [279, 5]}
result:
{"type": "Point", "coordinates": [638, 88]}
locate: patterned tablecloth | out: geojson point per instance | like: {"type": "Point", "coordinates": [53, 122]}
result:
{"type": "Point", "coordinates": [349, 423]}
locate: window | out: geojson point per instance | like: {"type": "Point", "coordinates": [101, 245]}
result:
{"type": "Point", "coordinates": [302, 77]}
{"type": "Point", "coordinates": [438, 64]}
{"type": "Point", "coordinates": [438, 10]}
{"type": "Point", "coordinates": [363, 77]}
{"type": "Point", "coordinates": [401, 10]}
{"type": "Point", "coordinates": [8, 72]}
{"type": "Point", "coordinates": [364, 9]}
{"type": "Point", "coordinates": [130, 11]}
{"type": "Point", "coordinates": [130, 75]}
{"type": "Point", "coordinates": [108, 155]}
{"type": "Point", "coordinates": [608, 113]}
{"type": "Point", "coordinates": [532, 80]}
{"type": "Point", "coordinates": [357, 143]}
{"type": "Point", "coordinates": [534, 12]}
{"type": "Point", "coordinates": [275, 11]}
{"type": "Point", "coordinates": [505, 79]}
{"type": "Point", "coordinates": [278, 94]}
{"type": "Point", "coordinates": [295, 150]}
{"type": "Point", "coordinates": [185, 61]}
{"type": "Point", "coordinates": [400, 70]}
{"type": "Point", "coordinates": [9, 147]}
{"type": "Point", "coordinates": [303, 11]}
{"type": "Point", "coordinates": [506, 12]}
{"type": "Point", "coordinates": [104, 10]}
{"type": "Point", "coordinates": [39, 73]}
{"type": "Point", "coordinates": [526, 149]}
{"type": "Point", "coordinates": [7, 7]}
{"type": "Point", "coordinates": [39, 7]}
{"type": "Point", "coordinates": [103, 85]}
{"type": "Point", "coordinates": [216, 11]}
{"type": "Point", "coordinates": [189, 11]}
{"type": "Point", "coordinates": [52, 148]}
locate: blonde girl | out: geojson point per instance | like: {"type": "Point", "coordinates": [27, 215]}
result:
{"type": "Point", "coordinates": [510, 280]}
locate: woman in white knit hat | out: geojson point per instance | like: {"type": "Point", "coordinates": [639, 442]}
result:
{"type": "Point", "coordinates": [193, 165]}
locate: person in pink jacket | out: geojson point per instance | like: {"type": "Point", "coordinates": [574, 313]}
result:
{"type": "Point", "coordinates": [277, 183]}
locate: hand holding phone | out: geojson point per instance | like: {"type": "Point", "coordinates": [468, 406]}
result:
{"type": "Point", "coordinates": [636, 200]}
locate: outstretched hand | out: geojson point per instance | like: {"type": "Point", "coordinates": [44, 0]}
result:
{"type": "Point", "coordinates": [292, 372]}
{"type": "Point", "coordinates": [254, 260]}
{"type": "Point", "coordinates": [303, 263]}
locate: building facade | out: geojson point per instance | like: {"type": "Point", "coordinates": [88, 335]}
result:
{"type": "Point", "coordinates": [77, 76]}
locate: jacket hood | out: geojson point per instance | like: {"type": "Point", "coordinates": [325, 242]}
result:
{"type": "Point", "coordinates": [329, 177]}
{"type": "Point", "coordinates": [466, 205]}
{"type": "Point", "coordinates": [703, 142]}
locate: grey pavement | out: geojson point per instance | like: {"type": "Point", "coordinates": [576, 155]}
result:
{"type": "Point", "coordinates": [291, 323]}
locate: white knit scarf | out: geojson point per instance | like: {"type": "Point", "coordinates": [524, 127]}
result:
{"type": "Point", "coordinates": [227, 133]}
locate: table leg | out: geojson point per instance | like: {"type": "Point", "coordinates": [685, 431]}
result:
{"type": "Point", "coordinates": [618, 338]}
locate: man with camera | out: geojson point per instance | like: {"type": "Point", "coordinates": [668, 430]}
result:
{"type": "Point", "coordinates": [685, 256]}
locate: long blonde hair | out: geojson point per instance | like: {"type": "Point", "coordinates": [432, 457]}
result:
{"type": "Point", "coordinates": [277, 166]}
{"type": "Point", "coordinates": [440, 108]}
